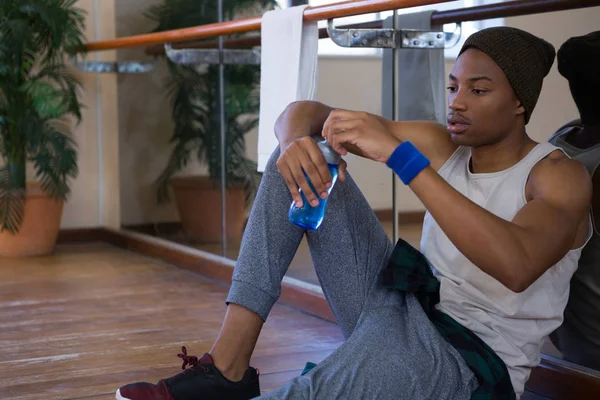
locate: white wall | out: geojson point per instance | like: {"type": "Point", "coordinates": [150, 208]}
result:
{"type": "Point", "coordinates": [95, 193]}
{"type": "Point", "coordinates": [353, 83]}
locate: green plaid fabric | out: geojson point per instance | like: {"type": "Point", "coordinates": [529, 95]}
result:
{"type": "Point", "coordinates": [409, 271]}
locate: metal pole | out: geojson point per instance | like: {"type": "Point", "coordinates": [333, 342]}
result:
{"type": "Point", "coordinates": [395, 80]}
{"type": "Point", "coordinates": [223, 137]}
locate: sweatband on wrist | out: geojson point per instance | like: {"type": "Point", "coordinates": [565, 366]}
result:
{"type": "Point", "coordinates": [407, 161]}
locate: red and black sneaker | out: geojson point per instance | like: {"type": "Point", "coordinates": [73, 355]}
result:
{"type": "Point", "coordinates": [202, 381]}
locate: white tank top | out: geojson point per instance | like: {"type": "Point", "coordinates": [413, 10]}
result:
{"type": "Point", "coordinates": [512, 324]}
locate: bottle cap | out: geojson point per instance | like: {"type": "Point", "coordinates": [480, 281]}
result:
{"type": "Point", "coordinates": [330, 155]}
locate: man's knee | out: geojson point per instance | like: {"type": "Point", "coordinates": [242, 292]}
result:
{"type": "Point", "coordinates": [272, 162]}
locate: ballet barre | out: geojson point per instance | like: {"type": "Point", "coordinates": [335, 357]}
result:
{"type": "Point", "coordinates": [368, 34]}
{"type": "Point", "coordinates": [332, 11]}
{"type": "Point", "coordinates": [243, 25]}
{"type": "Point", "coordinates": [478, 13]}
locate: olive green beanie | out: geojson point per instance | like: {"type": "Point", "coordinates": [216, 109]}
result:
{"type": "Point", "coordinates": [525, 59]}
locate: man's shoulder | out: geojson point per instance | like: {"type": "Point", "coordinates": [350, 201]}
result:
{"type": "Point", "coordinates": [558, 176]}
{"type": "Point", "coordinates": [558, 165]}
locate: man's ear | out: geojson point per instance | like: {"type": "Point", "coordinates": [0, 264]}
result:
{"type": "Point", "coordinates": [520, 109]}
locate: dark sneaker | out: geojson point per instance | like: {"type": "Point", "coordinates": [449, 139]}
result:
{"type": "Point", "coordinates": [202, 381]}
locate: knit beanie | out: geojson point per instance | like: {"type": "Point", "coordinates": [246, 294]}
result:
{"type": "Point", "coordinates": [578, 61]}
{"type": "Point", "coordinates": [525, 59]}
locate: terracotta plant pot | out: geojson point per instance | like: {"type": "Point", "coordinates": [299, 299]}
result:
{"type": "Point", "coordinates": [199, 204]}
{"type": "Point", "coordinates": [39, 230]}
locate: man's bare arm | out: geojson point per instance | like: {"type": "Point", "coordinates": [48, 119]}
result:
{"type": "Point", "coordinates": [516, 252]}
{"type": "Point", "coordinates": [300, 119]}
{"type": "Point", "coordinates": [306, 118]}
{"type": "Point", "coordinates": [300, 155]}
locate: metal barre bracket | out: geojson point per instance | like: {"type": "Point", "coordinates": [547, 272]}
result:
{"type": "Point", "coordinates": [389, 38]}
{"type": "Point", "coordinates": [119, 67]}
{"type": "Point", "coordinates": [202, 56]}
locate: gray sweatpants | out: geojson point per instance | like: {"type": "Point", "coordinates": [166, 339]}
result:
{"type": "Point", "coordinates": [392, 351]}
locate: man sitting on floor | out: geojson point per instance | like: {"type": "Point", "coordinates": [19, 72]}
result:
{"type": "Point", "coordinates": [464, 319]}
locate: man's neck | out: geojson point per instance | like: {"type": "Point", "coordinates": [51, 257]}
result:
{"type": "Point", "coordinates": [502, 155]}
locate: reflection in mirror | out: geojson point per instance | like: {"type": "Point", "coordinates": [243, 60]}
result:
{"type": "Point", "coordinates": [171, 136]}
{"type": "Point", "coordinates": [578, 338]}
{"type": "Point", "coordinates": [147, 123]}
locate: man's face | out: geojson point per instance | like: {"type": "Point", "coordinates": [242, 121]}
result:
{"type": "Point", "coordinates": [483, 108]}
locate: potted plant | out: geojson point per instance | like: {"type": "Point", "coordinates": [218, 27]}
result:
{"type": "Point", "coordinates": [38, 95]}
{"type": "Point", "coordinates": [194, 93]}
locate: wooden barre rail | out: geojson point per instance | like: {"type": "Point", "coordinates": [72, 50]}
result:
{"type": "Point", "coordinates": [335, 10]}
{"type": "Point", "coordinates": [478, 13]}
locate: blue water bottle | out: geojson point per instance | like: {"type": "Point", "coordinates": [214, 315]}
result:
{"type": "Point", "coordinates": [307, 216]}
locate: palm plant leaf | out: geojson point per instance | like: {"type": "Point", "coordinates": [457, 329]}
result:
{"type": "Point", "coordinates": [37, 93]}
{"type": "Point", "coordinates": [61, 77]}
{"type": "Point", "coordinates": [47, 101]}
{"type": "Point", "coordinates": [55, 160]}
{"type": "Point", "coordinates": [3, 128]}
{"type": "Point", "coordinates": [12, 202]}
{"type": "Point", "coordinates": [59, 23]}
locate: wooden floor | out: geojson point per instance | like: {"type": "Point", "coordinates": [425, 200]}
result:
{"type": "Point", "coordinates": [81, 323]}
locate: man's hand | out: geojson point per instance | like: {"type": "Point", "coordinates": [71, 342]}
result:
{"type": "Point", "coordinates": [303, 156]}
{"type": "Point", "coordinates": [361, 133]}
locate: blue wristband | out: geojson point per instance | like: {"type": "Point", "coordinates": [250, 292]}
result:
{"type": "Point", "coordinates": [407, 161]}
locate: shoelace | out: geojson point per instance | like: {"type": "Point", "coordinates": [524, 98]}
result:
{"type": "Point", "coordinates": [193, 361]}
{"type": "Point", "coordinates": [189, 360]}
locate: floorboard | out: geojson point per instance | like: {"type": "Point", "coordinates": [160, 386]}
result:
{"type": "Point", "coordinates": [80, 323]}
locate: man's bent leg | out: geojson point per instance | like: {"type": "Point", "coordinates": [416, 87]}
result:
{"type": "Point", "coordinates": [395, 352]}
{"type": "Point", "coordinates": [349, 251]}
{"type": "Point", "coordinates": [269, 244]}
{"type": "Point", "coordinates": [268, 247]}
